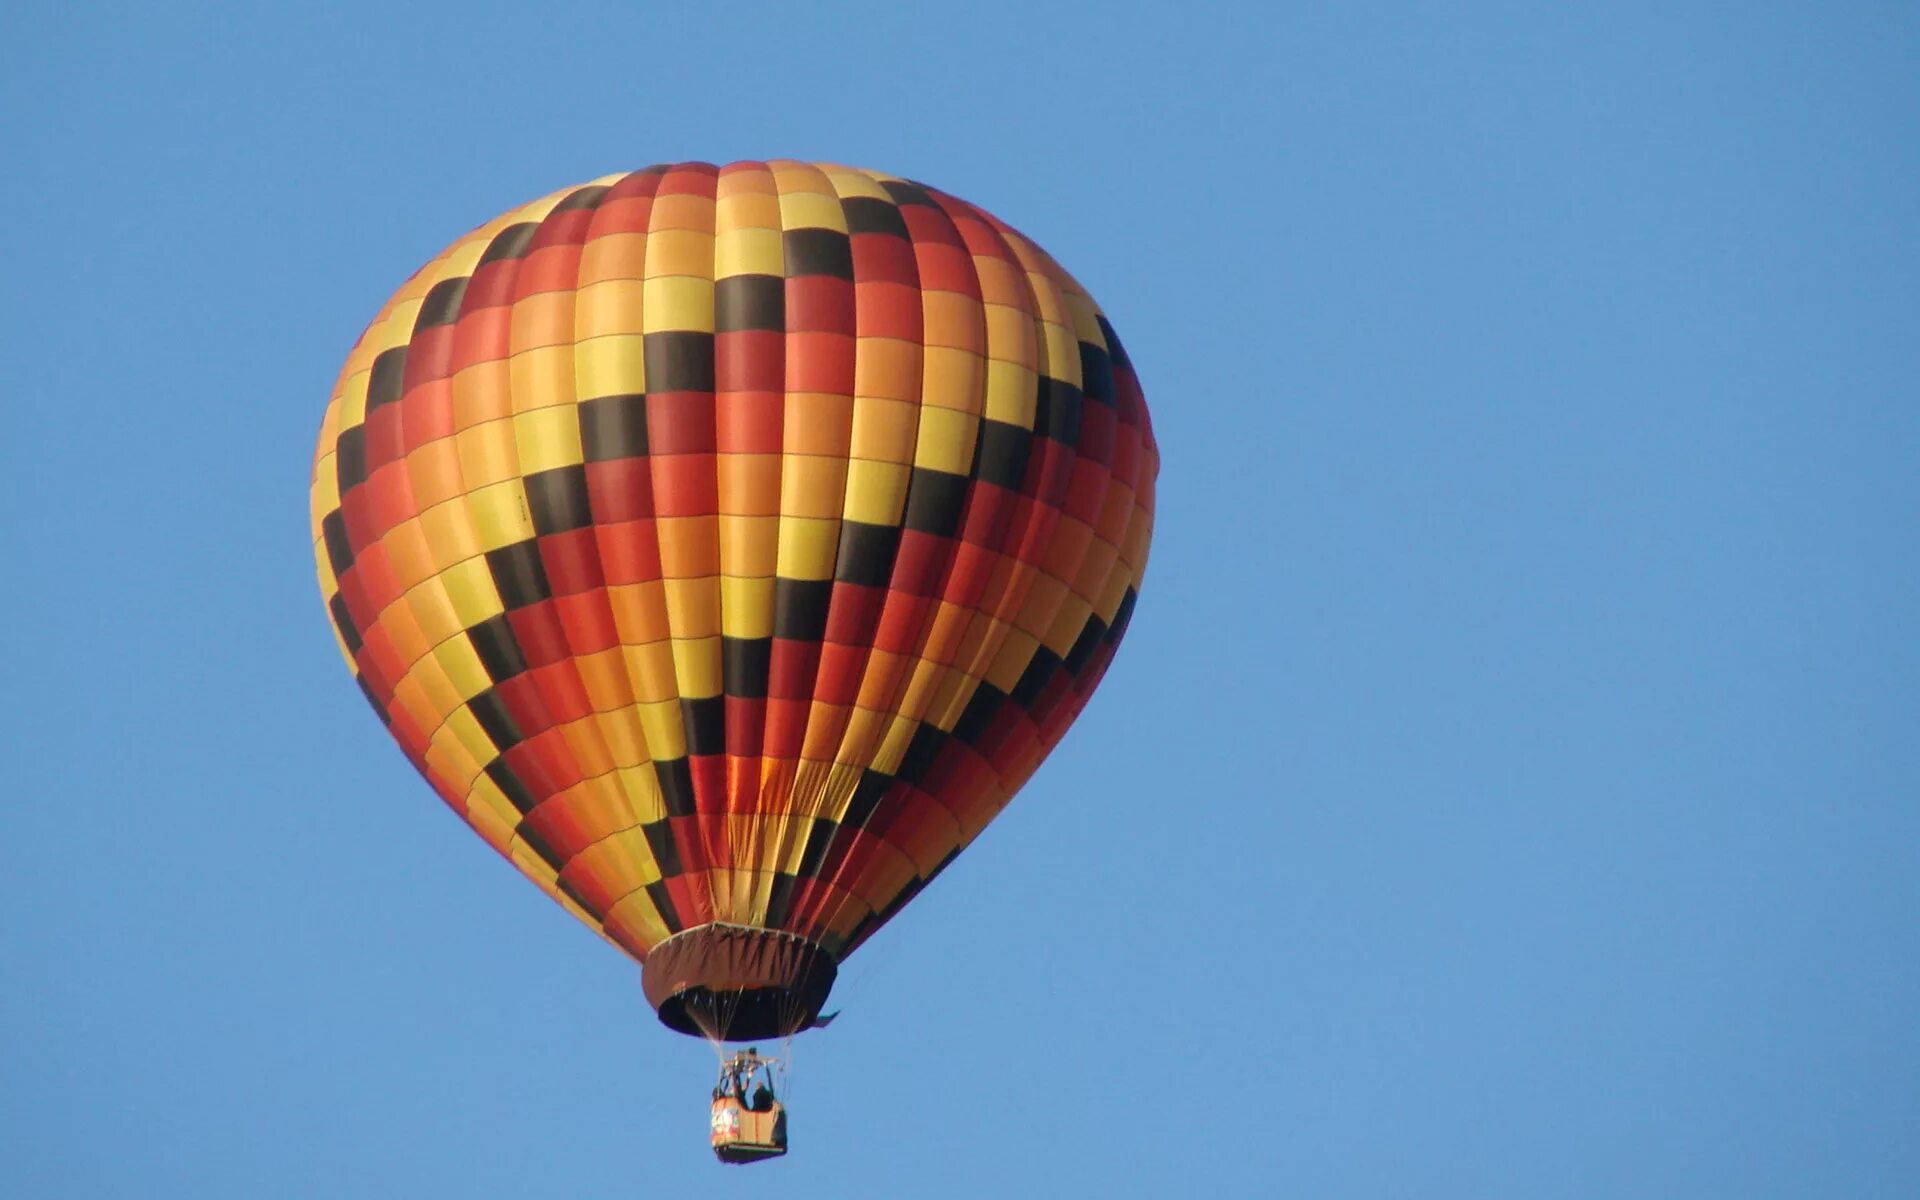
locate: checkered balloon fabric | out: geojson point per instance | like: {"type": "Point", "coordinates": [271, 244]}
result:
{"type": "Point", "coordinates": [728, 545]}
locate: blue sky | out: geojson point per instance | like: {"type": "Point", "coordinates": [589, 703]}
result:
{"type": "Point", "coordinates": [1508, 786]}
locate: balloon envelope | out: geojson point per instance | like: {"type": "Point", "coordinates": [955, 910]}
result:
{"type": "Point", "coordinates": [726, 546]}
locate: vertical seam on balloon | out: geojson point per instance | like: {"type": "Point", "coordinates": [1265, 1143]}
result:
{"type": "Point", "coordinates": [511, 273]}
{"type": "Point", "coordinates": [437, 272]}
{"type": "Point", "coordinates": [788, 772]}
{"type": "Point", "coordinates": [465, 510]}
{"type": "Point", "coordinates": [808, 780]}
{"type": "Point", "coordinates": [639, 857]}
{"type": "Point", "coordinates": [1051, 719]}
{"type": "Point", "coordinates": [463, 806]}
{"type": "Point", "coordinates": [820, 816]}
{"type": "Point", "coordinates": [858, 757]}
{"type": "Point", "coordinates": [542, 702]}
{"type": "Point", "coordinates": [1041, 521]}
{"type": "Point", "coordinates": [429, 663]}
{"type": "Point", "coordinates": [840, 881]}
{"type": "Point", "coordinates": [923, 629]}
{"type": "Point", "coordinates": [636, 855]}
{"type": "Point", "coordinates": [597, 725]}
{"type": "Point", "coordinates": [785, 773]}
{"type": "Point", "coordinates": [670, 917]}
{"type": "Point", "coordinates": [1129, 568]}
{"type": "Point", "coordinates": [842, 758]}
{"type": "Point", "coordinates": [698, 876]}
{"type": "Point", "coordinates": [746, 768]}
{"type": "Point", "coordinates": [1034, 529]}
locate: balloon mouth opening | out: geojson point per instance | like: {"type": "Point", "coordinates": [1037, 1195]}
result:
{"type": "Point", "coordinates": [747, 1015]}
{"type": "Point", "coordinates": [735, 983]}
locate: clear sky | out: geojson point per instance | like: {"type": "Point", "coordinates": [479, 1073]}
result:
{"type": "Point", "coordinates": [1509, 786]}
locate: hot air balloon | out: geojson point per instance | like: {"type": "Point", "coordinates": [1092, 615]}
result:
{"type": "Point", "coordinates": [727, 546]}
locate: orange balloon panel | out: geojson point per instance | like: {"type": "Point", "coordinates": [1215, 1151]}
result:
{"type": "Point", "coordinates": [727, 545]}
